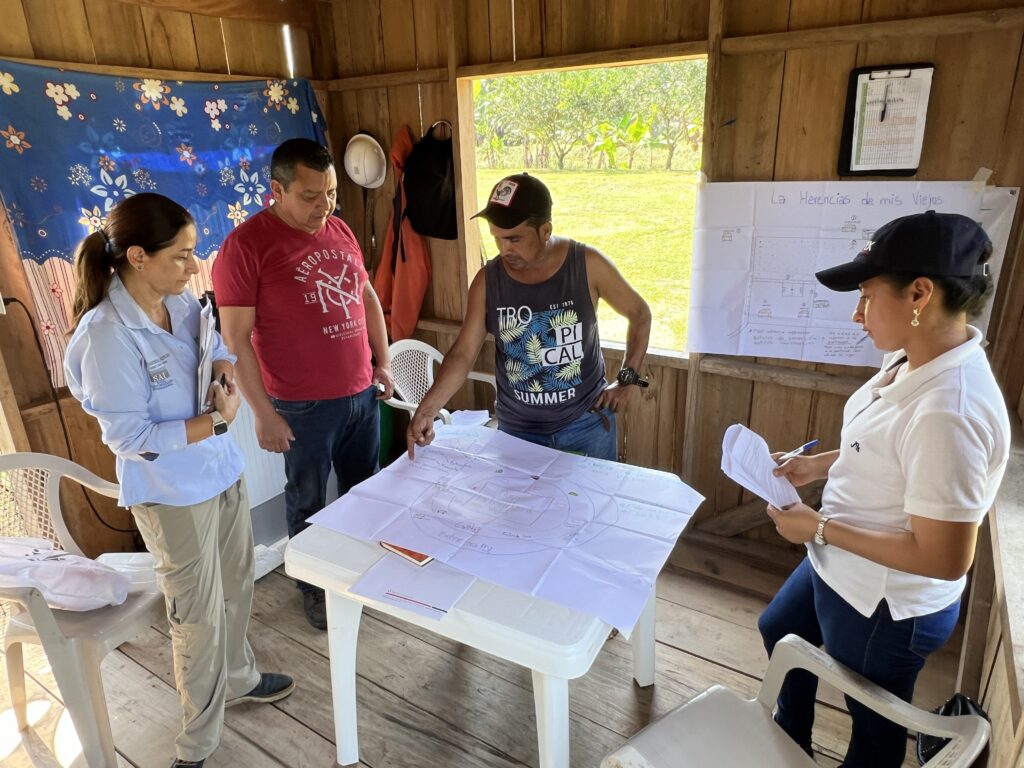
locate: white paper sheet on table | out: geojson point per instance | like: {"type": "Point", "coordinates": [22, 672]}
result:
{"type": "Point", "coordinates": [429, 590]}
{"type": "Point", "coordinates": [747, 460]}
{"type": "Point", "coordinates": [470, 418]}
{"type": "Point", "coordinates": [588, 534]}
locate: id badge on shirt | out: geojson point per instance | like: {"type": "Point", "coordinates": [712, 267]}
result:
{"type": "Point", "coordinates": [159, 374]}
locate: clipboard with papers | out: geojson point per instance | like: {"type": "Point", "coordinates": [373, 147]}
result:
{"type": "Point", "coordinates": [883, 128]}
{"type": "Point", "coordinates": [204, 375]}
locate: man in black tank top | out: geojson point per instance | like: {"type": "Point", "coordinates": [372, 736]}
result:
{"type": "Point", "coordinates": [538, 298]}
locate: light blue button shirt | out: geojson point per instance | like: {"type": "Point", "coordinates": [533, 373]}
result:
{"type": "Point", "coordinates": [139, 382]}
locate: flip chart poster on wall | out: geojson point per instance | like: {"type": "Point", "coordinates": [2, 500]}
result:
{"type": "Point", "coordinates": [757, 245]}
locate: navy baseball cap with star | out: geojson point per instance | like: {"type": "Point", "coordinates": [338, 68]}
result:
{"type": "Point", "coordinates": [515, 199]}
{"type": "Point", "coordinates": [922, 244]}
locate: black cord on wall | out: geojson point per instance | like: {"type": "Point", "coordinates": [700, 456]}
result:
{"type": "Point", "coordinates": [63, 422]}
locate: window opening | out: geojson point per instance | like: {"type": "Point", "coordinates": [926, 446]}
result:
{"type": "Point", "coordinates": [620, 150]}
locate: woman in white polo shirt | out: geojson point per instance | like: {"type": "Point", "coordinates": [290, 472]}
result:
{"type": "Point", "coordinates": [133, 362]}
{"type": "Point", "coordinates": [922, 451]}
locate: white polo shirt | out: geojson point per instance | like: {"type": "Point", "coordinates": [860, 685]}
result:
{"type": "Point", "coordinates": [931, 443]}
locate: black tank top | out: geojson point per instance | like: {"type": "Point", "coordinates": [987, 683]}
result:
{"type": "Point", "coordinates": [547, 351]}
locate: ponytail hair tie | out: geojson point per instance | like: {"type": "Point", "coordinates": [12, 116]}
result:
{"type": "Point", "coordinates": [107, 248]}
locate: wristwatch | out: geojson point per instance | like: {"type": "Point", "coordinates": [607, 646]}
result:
{"type": "Point", "coordinates": [220, 425]}
{"type": "Point", "coordinates": [819, 534]}
{"type": "Point", "coordinates": [628, 376]}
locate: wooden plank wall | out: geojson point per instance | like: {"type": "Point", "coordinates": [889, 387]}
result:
{"type": "Point", "coordinates": [988, 670]}
{"type": "Point", "coordinates": [787, 109]}
{"type": "Point", "coordinates": [99, 34]}
{"type": "Point", "coordinates": [379, 36]}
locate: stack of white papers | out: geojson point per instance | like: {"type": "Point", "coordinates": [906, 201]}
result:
{"type": "Point", "coordinates": [747, 460]}
{"type": "Point", "coordinates": [470, 418]}
{"type": "Point", "coordinates": [204, 375]}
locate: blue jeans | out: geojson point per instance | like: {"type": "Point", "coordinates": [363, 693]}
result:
{"type": "Point", "coordinates": [887, 652]}
{"type": "Point", "coordinates": [343, 433]}
{"type": "Point", "coordinates": [592, 434]}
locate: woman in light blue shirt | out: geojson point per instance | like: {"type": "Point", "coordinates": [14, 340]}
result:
{"type": "Point", "coordinates": [133, 362]}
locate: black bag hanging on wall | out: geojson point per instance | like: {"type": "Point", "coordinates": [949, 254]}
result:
{"type": "Point", "coordinates": [429, 181]}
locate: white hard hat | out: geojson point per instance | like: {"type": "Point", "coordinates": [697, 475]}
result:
{"type": "Point", "coordinates": [365, 162]}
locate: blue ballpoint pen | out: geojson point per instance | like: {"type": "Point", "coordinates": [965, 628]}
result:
{"type": "Point", "coordinates": [796, 451]}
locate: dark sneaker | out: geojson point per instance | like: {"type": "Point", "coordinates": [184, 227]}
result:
{"type": "Point", "coordinates": [314, 603]}
{"type": "Point", "coordinates": [179, 763]}
{"type": "Point", "coordinates": [272, 687]}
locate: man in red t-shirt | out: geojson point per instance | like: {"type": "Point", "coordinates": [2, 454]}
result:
{"type": "Point", "coordinates": [297, 308]}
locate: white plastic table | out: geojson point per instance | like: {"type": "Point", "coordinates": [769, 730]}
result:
{"type": "Point", "coordinates": [557, 644]}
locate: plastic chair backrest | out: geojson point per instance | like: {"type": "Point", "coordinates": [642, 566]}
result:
{"type": "Point", "coordinates": [30, 496]}
{"type": "Point", "coordinates": [30, 502]}
{"type": "Point", "coordinates": [968, 734]}
{"type": "Point", "coordinates": [412, 365]}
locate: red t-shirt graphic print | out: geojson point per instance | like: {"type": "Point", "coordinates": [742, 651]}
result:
{"type": "Point", "coordinates": [310, 328]}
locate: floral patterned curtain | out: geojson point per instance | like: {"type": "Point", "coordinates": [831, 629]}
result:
{"type": "Point", "coordinates": [72, 144]}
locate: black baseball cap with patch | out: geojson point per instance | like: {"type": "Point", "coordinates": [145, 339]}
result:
{"type": "Point", "coordinates": [922, 244]}
{"type": "Point", "coordinates": [515, 199]}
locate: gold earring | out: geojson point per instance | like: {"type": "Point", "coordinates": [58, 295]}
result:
{"type": "Point", "coordinates": [917, 313]}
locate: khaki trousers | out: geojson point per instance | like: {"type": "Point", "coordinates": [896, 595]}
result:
{"type": "Point", "coordinates": [205, 567]}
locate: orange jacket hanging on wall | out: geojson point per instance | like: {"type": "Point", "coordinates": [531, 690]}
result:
{"type": "Point", "coordinates": [403, 273]}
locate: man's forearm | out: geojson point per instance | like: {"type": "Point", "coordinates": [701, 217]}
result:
{"type": "Point", "coordinates": [638, 335]}
{"type": "Point", "coordinates": [250, 380]}
{"type": "Point", "coordinates": [377, 336]}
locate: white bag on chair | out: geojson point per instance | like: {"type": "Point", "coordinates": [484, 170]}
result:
{"type": "Point", "coordinates": [67, 582]}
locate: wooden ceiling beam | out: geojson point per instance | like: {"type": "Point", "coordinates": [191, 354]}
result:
{"type": "Point", "coordinates": [297, 13]}
{"type": "Point", "coordinates": [136, 73]}
{"type": "Point", "coordinates": [869, 32]}
{"type": "Point", "coordinates": [617, 57]}
{"type": "Point", "coordinates": [948, 24]}
{"type": "Point", "coordinates": [386, 79]}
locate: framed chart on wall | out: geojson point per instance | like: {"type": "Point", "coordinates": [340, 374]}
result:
{"type": "Point", "coordinates": [883, 128]}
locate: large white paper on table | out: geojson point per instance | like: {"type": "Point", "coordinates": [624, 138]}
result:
{"type": "Point", "coordinates": [747, 460]}
{"type": "Point", "coordinates": [207, 329]}
{"type": "Point", "coordinates": [588, 534]}
{"type": "Point", "coordinates": [429, 590]}
{"type": "Point", "coordinates": [757, 245]}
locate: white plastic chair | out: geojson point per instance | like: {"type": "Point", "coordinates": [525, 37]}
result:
{"type": "Point", "coordinates": [719, 728]}
{"type": "Point", "coordinates": [412, 365]}
{"type": "Point", "coordinates": [75, 643]}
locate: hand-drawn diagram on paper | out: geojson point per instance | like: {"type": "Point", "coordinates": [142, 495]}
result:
{"type": "Point", "coordinates": [757, 246]}
{"type": "Point", "coordinates": [585, 533]}
{"type": "Point", "coordinates": [787, 310]}
{"type": "Point", "coordinates": [507, 518]}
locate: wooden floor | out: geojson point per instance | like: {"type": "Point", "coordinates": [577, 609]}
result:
{"type": "Point", "coordinates": [425, 701]}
